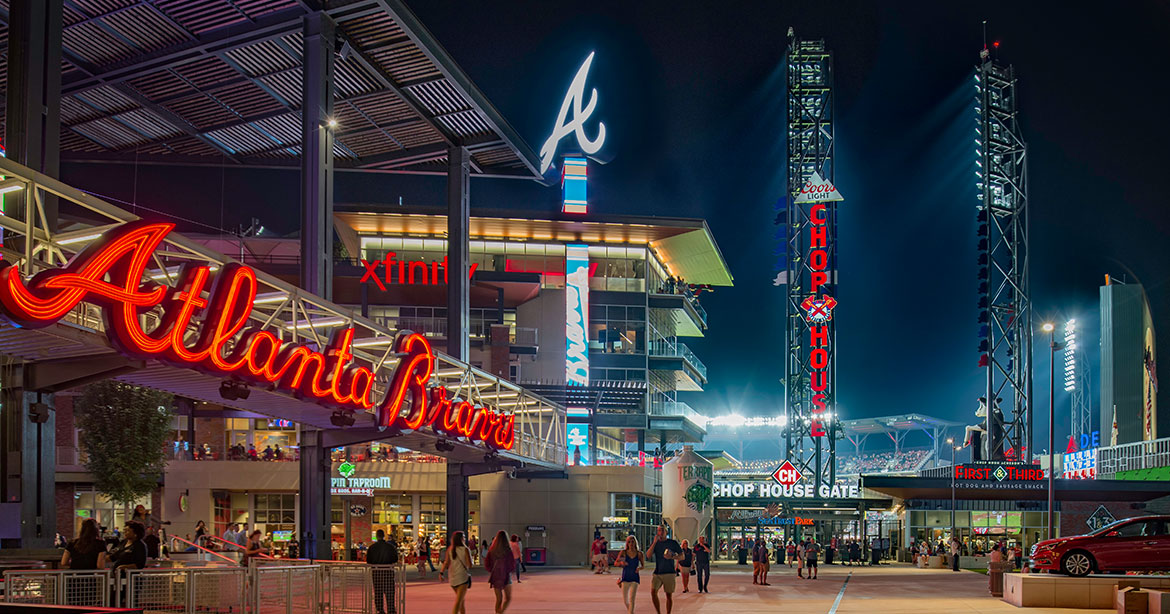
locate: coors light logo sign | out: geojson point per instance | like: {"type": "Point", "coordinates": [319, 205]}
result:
{"type": "Point", "coordinates": [818, 190]}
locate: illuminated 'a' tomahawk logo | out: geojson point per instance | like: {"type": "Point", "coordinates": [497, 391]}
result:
{"type": "Point", "coordinates": [818, 310]}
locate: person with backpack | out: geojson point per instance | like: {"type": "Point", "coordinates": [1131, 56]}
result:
{"type": "Point", "coordinates": [383, 555]}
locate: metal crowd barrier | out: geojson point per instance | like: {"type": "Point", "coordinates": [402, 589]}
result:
{"type": "Point", "coordinates": [285, 586]}
{"type": "Point", "coordinates": [86, 588]}
{"type": "Point", "coordinates": [292, 589]}
{"type": "Point", "coordinates": [207, 590]}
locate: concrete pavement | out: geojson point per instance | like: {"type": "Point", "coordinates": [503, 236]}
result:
{"type": "Point", "coordinates": [894, 589]}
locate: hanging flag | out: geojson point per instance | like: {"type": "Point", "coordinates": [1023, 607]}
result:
{"type": "Point", "coordinates": [781, 279]}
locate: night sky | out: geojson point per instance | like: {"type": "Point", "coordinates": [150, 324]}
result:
{"type": "Point", "coordinates": [694, 107]}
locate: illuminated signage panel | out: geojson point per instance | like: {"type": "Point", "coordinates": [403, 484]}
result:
{"type": "Point", "coordinates": [111, 273]}
{"type": "Point", "coordinates": [566, 125]}
{"type": "Point", "coordinates": [574, 183]}
{"type": "Point", "coordinates": [576, 314]}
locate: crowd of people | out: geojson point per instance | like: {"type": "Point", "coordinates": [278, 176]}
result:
{"type": "Point", "coordinates": [182, 450]}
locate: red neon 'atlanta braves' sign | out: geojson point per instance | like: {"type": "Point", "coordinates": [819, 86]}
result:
{"type": "Point", "coordinates": [110, 272]}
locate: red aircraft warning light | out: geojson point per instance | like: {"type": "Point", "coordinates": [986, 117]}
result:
{"type": "Point", "coordinates": [787, 474]}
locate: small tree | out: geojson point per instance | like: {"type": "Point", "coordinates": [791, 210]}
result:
{"type": "Point", "coordinates": [123, 429]}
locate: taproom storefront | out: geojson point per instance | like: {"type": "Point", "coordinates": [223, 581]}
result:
{"type": "Point", "coordinates": [757, 507]}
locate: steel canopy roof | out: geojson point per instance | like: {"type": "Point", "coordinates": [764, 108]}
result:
{"type": "Point", "coordinates": [210, 82]}
{"type": "Point", "coordinates": [889, 424]}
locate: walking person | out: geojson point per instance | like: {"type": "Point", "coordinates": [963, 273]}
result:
{"type": "Point", "coordinates": [597, 550]}
{"type": "Point", "coordinates": [422, 555]}
{"type": "Point", "coordinates": [382, 555]}
{"type": "Point", "coordinates": [956, 550]}
{"type": "Point", "coordinates": [855, 551]}
{"type": "Point", "coordinates": [516, 554]}
{"type": "Point", "coordinates": [457, 566]}
{"type": "Point", "coordinates": [810, 553]}
{"type": "Point", "coordinates": [756, 562]}
{"type": "Point", "coordinates": [765, 562]}
{"type": "Point", "coordinates": [664, 550]}
{"type": "Point", "coordinates": [499, 563]}
{"type": "Point", "coordinates": [630, 559]}
{"type": "Point", "coordinates": [800, 559]}
{"type": "Point", "coordinates": [685, 561]}
{"type": "Point", "coordinates": [791, 552]}
{"type": "Point", "coordinates": [703, 563]}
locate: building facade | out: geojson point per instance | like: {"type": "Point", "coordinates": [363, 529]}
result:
{"type": "Point", "coordinates": [1129, 383]}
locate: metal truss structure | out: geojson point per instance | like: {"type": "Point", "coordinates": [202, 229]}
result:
{"type": "Point", "coordinates": [197, 83]}
{"type": "Point", "coordinates": [1081, 393]}
{"type": "Point", "coordinates": [1005, 316]}
{"type": "Point", "coordinates": [810, 149]}
{"type": "Point", "coordinates": [288, 312]}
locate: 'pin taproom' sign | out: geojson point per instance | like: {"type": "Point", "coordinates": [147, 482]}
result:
{"type": "Point", "coordinates": [110, 273]}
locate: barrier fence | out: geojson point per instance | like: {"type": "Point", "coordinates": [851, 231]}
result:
{"type": "Point", "coordinates": [286, 586]}
{"type": "Point", "coordinates": [58, 587]}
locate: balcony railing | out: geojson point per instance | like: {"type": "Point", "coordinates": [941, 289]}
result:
{"type": "Point", "coordinates": [678, 409]}
{"type": "Point", "coordinates": [678, 350]}
{"type": "Point", "coordinates": [1131, 456]}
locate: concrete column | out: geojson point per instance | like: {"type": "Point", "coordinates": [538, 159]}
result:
{"type": "Point", "coordinates": [315, 500]}
{"type": "Point", "coordinates": [317, 156]}
{"type": "Point", "coordinates": [28, 464]}
{"type": "Point", "coordinates": [458, 258]}
{"type": "Point", "coordinates": [456, 498]}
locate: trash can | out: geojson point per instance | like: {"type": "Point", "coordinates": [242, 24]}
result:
{"type": "Point", "coordinates": [535, 556]}
{"type": "Point", "coordinates": [995, 573]}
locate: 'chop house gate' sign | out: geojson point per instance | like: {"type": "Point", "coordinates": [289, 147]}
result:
{"type": "Point", "coordinates": [110, 273]}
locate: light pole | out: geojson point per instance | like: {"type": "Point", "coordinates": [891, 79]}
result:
{"type": "Point", "coordinates": [951, 444]}
{"type": "Point", "coordinates": [1049, 328]}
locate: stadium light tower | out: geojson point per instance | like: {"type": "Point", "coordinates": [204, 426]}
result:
{"type": "Point", "coordinates": [809, 264]}
{"type": "Point", "coordinates": [1005, 307]}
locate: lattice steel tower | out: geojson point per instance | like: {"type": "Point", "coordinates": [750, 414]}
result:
{"type": "Point", "coordinates": [1005, 315]}
{"type": "Point", "coordinates": [810, 437]}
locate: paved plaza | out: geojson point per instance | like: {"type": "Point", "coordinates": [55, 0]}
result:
{"type": "Point", "coordinates": [895, 589]}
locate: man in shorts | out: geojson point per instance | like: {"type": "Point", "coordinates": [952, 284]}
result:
{"type": "Point", "coordinates": [756, 562]}
{"type": "Point", "coordinates": [810, 553]}
{"type": "Point", "coordinates": [599, 556]}
{"type": "Point", "coordinates": [664, 550]}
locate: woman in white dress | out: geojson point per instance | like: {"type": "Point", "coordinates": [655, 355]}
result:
{"type": "Point", "coordinates": [458, 570]}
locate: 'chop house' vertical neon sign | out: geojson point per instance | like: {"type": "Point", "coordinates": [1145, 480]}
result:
{"type": "Point", "coordinates": [818, 306]}
{"type": "Point", "coordinates": [110, 273]}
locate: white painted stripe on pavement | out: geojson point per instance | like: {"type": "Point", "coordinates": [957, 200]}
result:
{"type": "Point", "coordinates": [837, 602]}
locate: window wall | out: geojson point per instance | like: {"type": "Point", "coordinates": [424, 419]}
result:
{"type": "Point", "coordinates": [644, 512]}
{"type": "Point", "coordinates": [979, 529]}
{"type": "Point", "coordinates": [87, 503]}
{"type": "Point", "coordinates": [617, 329]}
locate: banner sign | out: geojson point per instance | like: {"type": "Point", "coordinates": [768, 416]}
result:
{"type": "Point", "coordinates": [1081, 465]}
{"type": "Point", "coordinates": [111, 273]}
{"type": "Point", "coordinates": [759, 490]}
{"type": "Point", "coordinates": [576, 315]}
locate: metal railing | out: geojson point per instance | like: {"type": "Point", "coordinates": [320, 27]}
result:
{"type": "Point", "coordinates": [1132, 456]}
{"type": "Point", "coordinates": [286, 589]}
{"type": "Point", "coordinates": [265, 586]}
{"type": "Point", "coordinates": [288, 312]}
{"type": "Point", "coordinates": [85, 588]}
{"type": "Point", "coordinates": [678, 349]}
{"type": "Point", "coordinates": [206, 590]}
{"type": "Point", "coordinates": [678, 409]}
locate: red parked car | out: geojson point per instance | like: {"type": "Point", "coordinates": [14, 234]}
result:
{"type": "Point", "coordinates": [1133, 544]}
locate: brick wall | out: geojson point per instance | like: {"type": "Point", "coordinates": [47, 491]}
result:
{"type": "Point", "coordinates": [64, 498]}
{"type": "Point", "coordinates": [211, 432]}
{"type": "Point", "coordinates": [1074, 514]}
